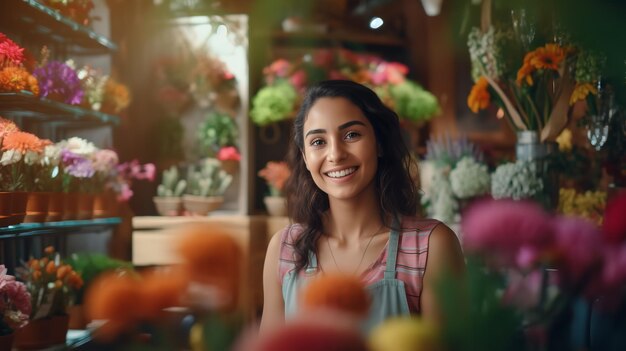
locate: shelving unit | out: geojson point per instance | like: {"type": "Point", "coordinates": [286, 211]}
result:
{"type": "Point", "coordinates": [35, 20]}
{"type": "Point", "coordinates": [346, 38]}
{"type": "Point", "coordinates": [63, 227]}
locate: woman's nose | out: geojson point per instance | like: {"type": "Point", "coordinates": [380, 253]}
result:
{"type": "Point", "coordinates": [336, 152]}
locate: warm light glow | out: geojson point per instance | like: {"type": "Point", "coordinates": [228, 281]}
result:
{"type": "Point", "coordinates": [376, 22]}
{"type": "Point", "coordinates": [500, 113]}
{"type": "Point", "coordinates": [192, 20]}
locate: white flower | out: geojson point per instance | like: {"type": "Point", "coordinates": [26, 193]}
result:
{"type": "Point", "coordinates": [32, 158]}
{"type": "Point", "coordinates": [443, 205]}
{"type": "Point", "coordinates": [469, 178]}
{"type": "Point", "coordinates": [10, 157]}
{"type": "Point", "coordinates": [517, 180]}
{"type": "Point", "coordinates": [78, 146]}
{"type": "Point", "coordinates": [51, 155]}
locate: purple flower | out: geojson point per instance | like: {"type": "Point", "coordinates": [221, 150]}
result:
{"type": "Point", "coordinates": [56, 79]}
{"type": "Point", "coordinates": [76, 165]}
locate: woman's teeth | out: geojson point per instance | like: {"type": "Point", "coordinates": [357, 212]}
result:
{"type": "Point", "coordinates": [342, 173]}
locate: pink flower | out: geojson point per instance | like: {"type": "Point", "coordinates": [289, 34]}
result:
{"type": "Point", "coordinates": [276, 174]}
{"type": "Point", "coordinates": [396, 72]}
{"type": "Point", "coordinates": [523, 290]}
{"type": "Point", "coordinates": [578, 248]}
{"type": "Point", "coordinates": [279, 68]}
{"type": "Point", "coordinates": [228, 153]}
{"type": "Point", "coordinates": [323, 58]}
{"type": "Point", "coordinates": [614, 273]}
{"type": "Point", "coordinates": [15, 304]}
{"type": "Point", "coordinates": [504, 227]}
{"type": "Point", "coordinates": [614, 225]}
{"type": "Point", "coordinates": [298, 79]}
{"type": "Point", "coordinates": [105, 160]}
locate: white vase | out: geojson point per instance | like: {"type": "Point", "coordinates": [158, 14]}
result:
{"type": "Point", "coordinates": [168, 206]}
{"type": "Point", "coordinates": [201, 205]}
{"type": "Point", "coordinates": [276, 205]}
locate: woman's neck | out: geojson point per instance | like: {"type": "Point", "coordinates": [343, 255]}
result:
{"type": "Point", "coordinates": [348, 220]}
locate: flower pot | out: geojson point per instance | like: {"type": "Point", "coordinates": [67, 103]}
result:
{"type": "Point", "coordinates": [6, 208]}
{"type": "Point", "coordinates": [230, 166]}
{"type": "Point", "coordinates": [6, 342]}
{"type": "Point", "coordinates": [37, 207]}
{"type": "Point", "coordinates": [201, 205]}
{"type": "Point", "coordinates": [70, 206]}
{"type": "Point", "coordinates": [18, 207]}
{"type": "Point", "coordinates": [168, 206]}
{"type": "Point", "coordinates": [276, 205]}
{"type": "Point", "coordinates": [104, 205]}
{"type": "Point", "coordinates": [85, 206]}
{"type": "Point", "coordinates": [42, 333]}
{"type": "Point", "coordinates": [78, 318]}
{"type": "Point", "coordinates": [56, 205]}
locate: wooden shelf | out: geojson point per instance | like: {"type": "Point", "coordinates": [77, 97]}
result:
{"type": "Point", "coordinates": [313, 38]}
{"type": "Point", "coordinates": [34, 20]}
{"type": "Point", "coordinates": [25, 105]}
{"type": "Point", "coordinates": [62, 227]}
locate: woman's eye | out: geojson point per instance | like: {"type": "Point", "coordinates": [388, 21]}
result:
{"type": "Point", "coordinates": [352, 135]}
{"type": "Point", "coordinates": [317, 142]}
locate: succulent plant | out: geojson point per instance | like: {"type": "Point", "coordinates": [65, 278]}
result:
{"type": "Point", "coordinates": [171, 185]}
{"type": "Point", "coordinates": [207, 178]}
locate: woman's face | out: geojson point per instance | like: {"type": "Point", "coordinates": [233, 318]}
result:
{"type": "Point", "coordinates": [340, 148]}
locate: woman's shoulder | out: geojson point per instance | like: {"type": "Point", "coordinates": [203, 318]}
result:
{"type": "Point", "coordinates": [418, 224]}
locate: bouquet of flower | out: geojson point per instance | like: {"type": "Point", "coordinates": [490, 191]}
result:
{"type": "Point", "coordinates": [216, 132]}
{"type": "Point", "coordinates": [77, 164]}
{"type": "Point", "coordinates": [212, 83]}
{"type": "Point", "coordinates": [20, 163]}
{"type": "Point", "coordinates": [275, 174]}
{"type": "Point", "coordinates": [51, 282]}
{"type": "Point", "coordinates": [533, 87]}
{"type": "Point", "coordinates": [14, 76]}
{"type": "Point", "coordinates": [516, 181]}
{"type": "Point", "coordinates": [116, 96]}
{"type": "Point", "coordinates": [14, 303]}
{"type": "Point", "coordinates": [58, 81]}
{"type": "Point", "coordinates": [286, 81]}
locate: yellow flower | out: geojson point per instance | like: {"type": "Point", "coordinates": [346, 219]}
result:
{"type": "Point", "coordinates": [405, 334]}
{"type": "Point", "coordinates": [581, 91]}
{"type": "Point", "coordinates": [479, 96]}
{"type": "Point", "coordinates": [565, 140]}
{"type": "Point", "coordinates": [525, 74]}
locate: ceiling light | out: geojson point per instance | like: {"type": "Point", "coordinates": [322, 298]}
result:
{"type": "Point", "coordinates": [376, 22]}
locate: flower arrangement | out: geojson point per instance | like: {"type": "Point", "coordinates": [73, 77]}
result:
{"type": "Point", "coordinates": [14, 76]}
{"type": "Point", "coordinates": [14, 303]}
{"type": "Point", "coordinates": [58, 81]}
{"type": "Point", "coordinates": [452, 174]}
{"type": "Point", "coordinates": [589, 205]}
{"type": "Point", "coordinates": [116, 96]}
{"type": "Point", "coordinates": [216, 132]}
{"type": "Point", "coordinates": [51, 282]}
{"type": "Point", "coordinates": [77, 10]}
{"type": "Point", "coordinates": [516, 181]}
{"type": "Point", "coordinates": [533, 87]}
{"type": "Point", "coordinates": [286, 81]}
{"type": "Point", "coordinates": [101, 92]}
{"type": "Point", "coordinates": [275, 175]}
{"type": "Point", "coordinates": [125, 173]}
{"type": "Point", "coordinates": [20, 162]}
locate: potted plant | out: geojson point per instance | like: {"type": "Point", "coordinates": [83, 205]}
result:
{"type": "Point", "coordinates": [217, 137]}
{"type": "Point", "coordinates": [14, 306]}
{"type": "Point", "coordinates": [206, 183]}
{"type": "Point", "coordinates": [169, 193]}
{"type": "Point", "coordinates": [52, 285]}
{"type": "Point", "coordinates": [275, 175]}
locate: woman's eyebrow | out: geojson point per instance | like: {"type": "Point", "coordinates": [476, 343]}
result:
{"type": "Point", "coordinates": [341, 127]}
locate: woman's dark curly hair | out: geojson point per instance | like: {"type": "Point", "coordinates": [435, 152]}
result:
{"type": "Point", "coordinates": [397, 192]}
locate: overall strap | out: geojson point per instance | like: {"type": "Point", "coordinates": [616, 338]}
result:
{"type": "Point", "coordinates": [392, 253]}
{"type": "Point", "coordinates": [312, 267]}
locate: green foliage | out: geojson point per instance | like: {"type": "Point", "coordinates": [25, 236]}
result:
{"type": "Point", "coordinates": [171, 185]}
{"type": "Point", "coordinates": [90, 265]}
{"type": "Point", "coordinates": [273, 103]}
{"type": "Point", "coordinates": [207, 179]}
{"type": "Point", "coordinates": [413, 102]}
{"type": "Point", "coordinates": [217, 131]}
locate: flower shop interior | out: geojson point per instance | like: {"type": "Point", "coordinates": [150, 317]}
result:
{"type": "Point", "coordinates": [144, 160]}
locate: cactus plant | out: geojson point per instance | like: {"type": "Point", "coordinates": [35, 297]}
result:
{"type": "Point", "coordinates": [207, 179]}
{"type": "Point", "coordinates": [171, 185]}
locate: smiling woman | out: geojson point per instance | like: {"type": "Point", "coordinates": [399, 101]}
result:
{"type": "Point", "coordinates": [350, 175]}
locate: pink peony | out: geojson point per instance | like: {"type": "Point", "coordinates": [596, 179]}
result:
{"type": "Point", "coordinates": [614, 225]}
{"type": "Point", "coordinates": [505, 227]}
{"type": "Point", "coordinates": [578, 248]}
{"type": "Point", "coordinates": [228, 153]}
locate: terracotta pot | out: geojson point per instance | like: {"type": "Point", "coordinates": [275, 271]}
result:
{"type": "Point", "coordinates": [42, 333]}
{"type": "Point", "coordinates": [6, 342]}
{"type": "Point", "coordinates": [37, 207]}
{"type": "Point", "coordinates": [230, 166]}
{"type": "Point", "coordinates": [276, 205]}
{"type": "Point", "coordinates": [18, 207]}
{"type": "Point", "coordinates": [105, 205]}
{"type": "Point", "coordinates": [168, 206]}
{"type": "Point", "coordinates": [78, 318]}
{"type": "Point", "coordinates": [56, 207]}
{"type": "Point", "coordinates": [70, 206]}
{"type": "Point", "coordinates": [201, 205]}
{"type": "Point", "coordinates": [85, 206]}
{"type": "Point", "coordinates": [6, 208]}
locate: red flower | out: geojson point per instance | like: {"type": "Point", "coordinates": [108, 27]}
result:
{"type": "Point", "coordinates": [10, 52]}
{"type": "Point", "coordinates": [614, 227]}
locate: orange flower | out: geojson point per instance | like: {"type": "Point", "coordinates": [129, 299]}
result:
{"type": "Point", "coordinates": [113, 298]}
{"type": "Point", "coordinates": [212, 257]}
{"type": "Point", "coordinates": [51, 267]}
{"type": "Point", "coordinates": [36, 275]}
{"type": "Point", "coordinates": [74, 280]}
{"type": "Point", "coordinates": [7, 127]}
{"type": "Point", "coordinates": [276, 174]}
{"type": "Point", "coordinates": [548, 57]}
{"type": "Point", "coordinates": [63, 271]}
{"type": "Point", "coordinates": [161, 289]}
{"type": "Point", "coordinates": [49, 250]}
{"type": "Point", "coordinates": [22, 142]}
{"type": "Point", "coordinates": [34, 264]}
{"type": "Point", "coordinates": [479, 96]}
{"type": "Point", "coordinates": [337, 292]}
{"type": "Point", "coordinates": [16, 79]}
{"type": "Point", "coordinates": [58, 284]}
